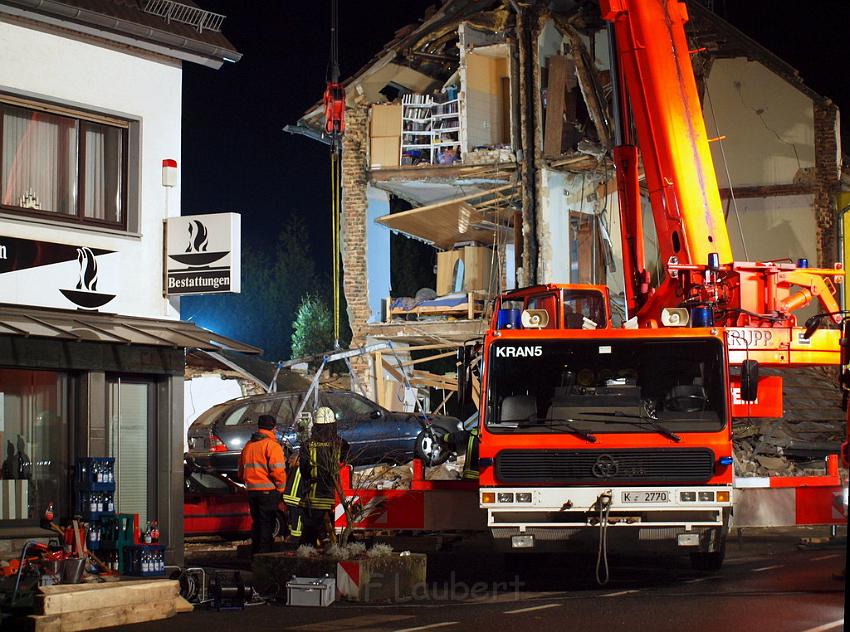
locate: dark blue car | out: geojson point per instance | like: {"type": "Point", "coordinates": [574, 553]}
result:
{"type": "Point", "coordinates": [376, 435]}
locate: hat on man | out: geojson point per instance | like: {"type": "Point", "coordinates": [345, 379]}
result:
{"type": "Point", "coordinates": [324, 415]}
{"type": "Point", "coordinates": [266, 422]}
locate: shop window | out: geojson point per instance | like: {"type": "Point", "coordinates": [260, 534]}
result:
{"type": "Point", "coordinates": [34, 436]}
{"type": "Point", "coordinates": [61, 165]}
{"type": "Point", "coordinates": [132, 410]}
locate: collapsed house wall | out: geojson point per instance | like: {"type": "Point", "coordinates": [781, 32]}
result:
{"type": "Point", "coordinates": [781, 152]}
{"type": "Point", "coordinates": [759, 113]}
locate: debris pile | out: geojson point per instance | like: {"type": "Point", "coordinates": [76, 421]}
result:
{"type": "Point", "coordinates": [813, 427]}
{"type": "Point", "coordinates": [386, 476]}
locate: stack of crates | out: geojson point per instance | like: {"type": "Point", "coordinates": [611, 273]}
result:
{"type": "Point", "coordinates": [119, 533]}
{"type": "Point", "coordinates": [144, 560]}
{"type": "Point", "coordinates": [94, 485]}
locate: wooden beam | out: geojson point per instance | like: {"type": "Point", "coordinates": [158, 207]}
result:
{"type": "Point", "coordinates": [429, 358]}
{"type": "Point", "coordinates": [64, 598]}
{"type": "Point", "coordinates": [553, 132]}
{"type": "Point", "coordinates": [453, 172]}
{"type": "Point", "coordinates": [379, 379]}
{"type": "Point", "coordinates": [771, 190]}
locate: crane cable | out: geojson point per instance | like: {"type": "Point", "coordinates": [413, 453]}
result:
{"type": "Point", "coordinates": [332, 76]}
{"type": "Point", "coordinates": [335, 207]}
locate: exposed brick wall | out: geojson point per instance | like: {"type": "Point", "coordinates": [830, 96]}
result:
{"type": "Point", "coordinates": [827, 180]}
{"type": "Point", "coordinates": [353, 226]}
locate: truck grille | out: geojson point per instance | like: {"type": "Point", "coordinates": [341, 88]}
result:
{"type": "Point", "coordinates": [689, 465]}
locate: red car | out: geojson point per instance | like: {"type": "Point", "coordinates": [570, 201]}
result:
{"type": "Point", "coordinates": [215, 505]}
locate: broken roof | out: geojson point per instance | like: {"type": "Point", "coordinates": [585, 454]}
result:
{"type": "Point", "coordinates": [421, 51]}
{"type": "Point", "coordinates": [177, 29]}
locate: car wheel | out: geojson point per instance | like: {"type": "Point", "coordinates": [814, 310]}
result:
{"type": "Point", "coordinates": [280, 529]}
{"type": "Point", "coordinates": [430, 447]}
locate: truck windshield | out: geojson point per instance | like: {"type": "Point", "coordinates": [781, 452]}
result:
{"type": "Point", "coordinates": [605, 386]}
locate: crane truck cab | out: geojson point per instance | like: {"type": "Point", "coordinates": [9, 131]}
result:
{"type": "Point", "coordinates": [586, 427]}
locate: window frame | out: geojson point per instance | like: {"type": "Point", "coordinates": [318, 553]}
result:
{"type": "Point", "coordinates": [79, 117]}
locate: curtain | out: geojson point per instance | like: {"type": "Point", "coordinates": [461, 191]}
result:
{"type": "Point", "coordinates": [102, 194]}
{"type": "Point", "coordinates": [39, 161]}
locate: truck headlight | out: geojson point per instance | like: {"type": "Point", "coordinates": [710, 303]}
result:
{"type": "Point", "coordinates": [505, 497]}
{"type": "Point", "coordinates": [705, 497]}
{"type": "Point", "coordinates": [525, 497]}
{"type": "Point", "coordinates": [688, 497]}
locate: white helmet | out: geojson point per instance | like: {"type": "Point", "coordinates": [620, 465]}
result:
{"type": "Point", "coordinates": [324, 416]}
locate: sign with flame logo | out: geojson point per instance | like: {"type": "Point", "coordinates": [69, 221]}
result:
{"type": "Point", "coordinates": [32, 271]}
{"type": "Point", "coordinates": [85, 295]}
{"type": "Point", "coordinates": [202, 254]}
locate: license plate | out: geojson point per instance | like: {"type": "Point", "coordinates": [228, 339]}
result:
{"type": "Point", "coordinates": [646, 497]}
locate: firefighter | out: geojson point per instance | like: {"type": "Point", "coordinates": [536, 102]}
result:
{"type": "Point", "coordinates": [470, 437]}
{"type": "Point", "coordinates": [320, 460]}
{"type": "Point", "coordinates": [262, 469]}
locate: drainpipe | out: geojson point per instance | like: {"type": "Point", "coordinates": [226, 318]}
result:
{"type": "Point", "coordinates": [841, 215]}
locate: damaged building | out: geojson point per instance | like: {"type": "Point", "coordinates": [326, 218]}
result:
{"type": "Point", "coordinates": [477, 158]}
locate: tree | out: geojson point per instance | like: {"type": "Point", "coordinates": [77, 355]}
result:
{"type": "Point", "coordinates": [273, 284]}
{"type": "Point", "coordinates": [312, 332]}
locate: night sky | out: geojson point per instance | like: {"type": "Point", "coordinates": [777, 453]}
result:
{"type": "Point", "coordinates": [237, 158]}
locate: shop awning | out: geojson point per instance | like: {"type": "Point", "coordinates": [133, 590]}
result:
{"type": "Point", "coordinates": [475, 217]}
{"type": "Point", "coordinates": [113, 328]}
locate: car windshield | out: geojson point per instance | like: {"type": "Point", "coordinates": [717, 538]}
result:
{"type": "Point", "coordinates": [604, 386]}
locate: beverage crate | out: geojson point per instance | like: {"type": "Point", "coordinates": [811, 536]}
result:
{"type": "Point", "coordinates": [117, 534]}
{"type": "Point", "coordinates": [95, 474]}
{"type": "Point", "coordinates": [93, 505]}
{"type": "Point", "coordinates": [94, 536]}
{"type": "Point", "coordinates": [144, 560]}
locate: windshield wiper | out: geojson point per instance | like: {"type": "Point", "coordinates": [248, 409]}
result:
{"type": "Point", "coordinates": [565, 424]}
{"type": "Point", "coordinates": [642, 418]}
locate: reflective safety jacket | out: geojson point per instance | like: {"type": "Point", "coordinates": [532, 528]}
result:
{"type": "Point", "coordinates": [470, 465]}
{"type": "Point", "coordinates": [294, 484]}
{"type": "Point", "coordinates": [261, 465]}
{"type": "Point", "coordinates": [455, 439]}
{"type": "Point", "coordinates": [319, 468]}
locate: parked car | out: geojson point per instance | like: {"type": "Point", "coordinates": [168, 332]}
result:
{"type": "Point", "coordinates": [375, 434]}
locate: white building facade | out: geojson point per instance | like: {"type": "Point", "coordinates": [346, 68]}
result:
{"type": "Point", "coordinates": [91, 350]}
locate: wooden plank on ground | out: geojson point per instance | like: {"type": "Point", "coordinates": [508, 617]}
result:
{"type": "Point", "coordinates": [59, 600]}
{"type": "Point", "coordinates": [181, 605]}
{"type": "Point", "coordinates": [556, 92]}
{"type": "Point", "coordinates": [103, 617]}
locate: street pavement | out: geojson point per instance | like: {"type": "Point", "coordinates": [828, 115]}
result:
{"type": "Point", "coordinates": [768, 583]}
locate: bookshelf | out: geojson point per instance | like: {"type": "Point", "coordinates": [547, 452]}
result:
{"type": "Point", "coordinates": [428, 128]}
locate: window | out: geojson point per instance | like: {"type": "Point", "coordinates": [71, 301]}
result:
{"type": "Point", "coordinates": [348, 407]}
{"type": "Point", "coordinates": [59, 164]}
{"type": "Point", "coordinates": [236, 416]}
{"type": "Point", "coordinates": [266, 407]}
{"type": "Point", "coordinates": [34, 436]}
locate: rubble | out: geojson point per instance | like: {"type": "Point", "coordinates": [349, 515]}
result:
{"type": "Point", "coordinates": [813, 426]}
{"type": "Point", "coordinates": [387, 476]}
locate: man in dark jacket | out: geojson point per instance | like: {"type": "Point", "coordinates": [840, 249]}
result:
{"type": "Point", "coordinates": [262, 469]}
